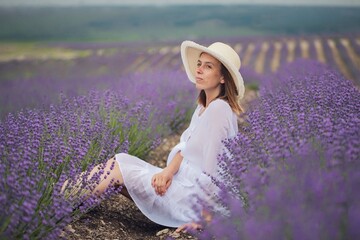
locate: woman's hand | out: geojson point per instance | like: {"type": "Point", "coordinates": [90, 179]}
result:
{"type": "Point", "coordinates": [162, 181]}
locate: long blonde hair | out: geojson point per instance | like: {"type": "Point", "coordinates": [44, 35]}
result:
{"type": "Point", "coordinates": [228, 92]}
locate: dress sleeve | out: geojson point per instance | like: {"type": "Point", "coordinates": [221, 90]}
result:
{"type": "Point", "coordinates": [182, 144]}
{"type": "Point", "coordinates": [218, 128]}
{"type": "Point", "coordinates": [179, 147]}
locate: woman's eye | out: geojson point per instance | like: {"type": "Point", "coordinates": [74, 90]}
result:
{"type": "Point", "coordinates": [198, 64]}
{"type": "Point", "coordinates": [208, 66]}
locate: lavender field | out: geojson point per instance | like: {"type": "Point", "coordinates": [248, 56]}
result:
{"type": "Point", "coordinates": [74, 69]}
{"type": "Point", "coordinates": [294, 169]}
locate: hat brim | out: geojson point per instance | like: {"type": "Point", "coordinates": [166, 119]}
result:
{"type": "Point", "coordinates": [190, 53]}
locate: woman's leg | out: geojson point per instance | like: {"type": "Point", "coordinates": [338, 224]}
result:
{"type": "Point", "coordinates": [111, 175]}
{"type": "Point", "coordinates": [113, 178]}
{"type": "Point", "coordinates": [108, 175]}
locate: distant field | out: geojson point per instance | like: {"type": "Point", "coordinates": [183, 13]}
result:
{"type": "Point", "coordinates": [170, 23]}
{"type": "Point", "coordinates": [44, 51]}
{"type": "Point", "coordinates": [31, 71]}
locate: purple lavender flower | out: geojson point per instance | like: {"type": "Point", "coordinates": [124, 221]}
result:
{"type": "Point", "coordinates": [294, 163]}
{"type": "Point", "coordinates": [42, 148]}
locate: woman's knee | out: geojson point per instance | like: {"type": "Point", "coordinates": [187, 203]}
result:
{"type": "Point", "coordinates": [113, 168]}
{"type": "Point", "coordinates": [121, 155]}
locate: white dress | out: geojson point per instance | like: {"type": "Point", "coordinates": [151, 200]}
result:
{"type": "Point", "coordinates": [199, 145]}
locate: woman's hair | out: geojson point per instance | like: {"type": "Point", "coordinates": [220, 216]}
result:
{"type": "Point", "coordinates": [228, 92]}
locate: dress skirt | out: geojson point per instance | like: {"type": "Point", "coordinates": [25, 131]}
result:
{"type": "Point", "coordinates": [177, 206]}
{"type": "Point", "coordinates": [200, 145]}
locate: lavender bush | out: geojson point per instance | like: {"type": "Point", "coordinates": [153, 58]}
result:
{"type": "Point", "coordinates": [41, 148]}
{"type": "Point", "coordinates": [295, 164]}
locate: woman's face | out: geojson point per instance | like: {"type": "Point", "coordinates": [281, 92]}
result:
{"type": "Point", "coordinates": [208, 75]}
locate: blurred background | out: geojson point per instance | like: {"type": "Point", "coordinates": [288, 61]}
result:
{"type": "Point", "coordinates": [161, 20]}
{"type": "Point", "coordinates": [48, 46]}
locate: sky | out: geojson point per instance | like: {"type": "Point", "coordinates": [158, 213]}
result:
{"type": "Point", "coordinates": [167, 2]}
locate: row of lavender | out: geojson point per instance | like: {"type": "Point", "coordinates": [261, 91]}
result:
{"type": "Point", "coordinates": [30, 83]}
{"type": "Point", "coordinates": [294, 170]}
{"type": "Point", "coordinates": [41, 148]}
{"type": "Point", "coordinates": [266, 54]}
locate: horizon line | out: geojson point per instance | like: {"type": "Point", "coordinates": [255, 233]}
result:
{"type": "Point", "coordinates": [178, 4]}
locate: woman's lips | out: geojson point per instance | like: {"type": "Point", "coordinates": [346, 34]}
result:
{"type": "Point", "coordinates": [198, 79]}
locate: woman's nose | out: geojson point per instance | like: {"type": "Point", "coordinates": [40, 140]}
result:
{"type": "Point", "coordinates": [199, 69]}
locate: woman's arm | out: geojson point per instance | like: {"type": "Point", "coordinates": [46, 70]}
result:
{"type": "Point", "coordinates": [162, 181]}
{"type": "Point", "coordinates": [218, 123]}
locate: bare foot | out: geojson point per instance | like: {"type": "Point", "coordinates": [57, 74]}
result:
{"type": "Point", "coordinates": [189, 226]}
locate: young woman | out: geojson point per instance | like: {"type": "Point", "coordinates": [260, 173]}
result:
{"type": "Point", "coordinates": [168, 196]}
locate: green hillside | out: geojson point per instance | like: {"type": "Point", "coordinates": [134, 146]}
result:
{"type": "Point", "coordinates": [122, 23]}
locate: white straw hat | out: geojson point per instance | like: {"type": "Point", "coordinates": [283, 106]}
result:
{"type": "Point", "coordinates": [190, 53]}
